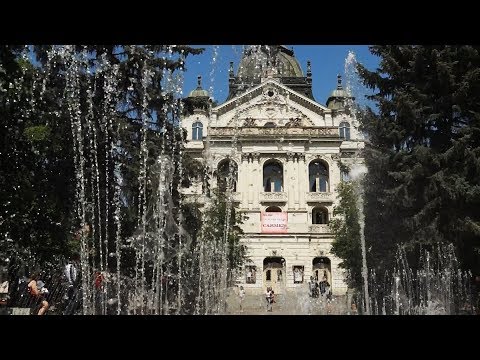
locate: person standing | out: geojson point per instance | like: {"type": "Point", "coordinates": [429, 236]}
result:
{"type": "Point", "coordinates": [100, 295]}
{"type": "Point", "coordinates": [353, 309]}
{"type": "Point", "coordinates": [36, 295]}
{"type": "Point", "coordinates": [3, 287]}
{"type": "Point", "coordinates": [268, 296]}
{"type": "Point", "coordinates": [241, 295]}
{"type": "Point", "coordinates": [312, 287]}
{"type": "Point", "coordinates": [71, 273]}
{"type": "Point", "coordinates": [249, 276]}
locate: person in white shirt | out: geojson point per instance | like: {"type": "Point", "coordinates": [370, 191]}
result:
{"type": "Point", "coordinates": [71, 273]}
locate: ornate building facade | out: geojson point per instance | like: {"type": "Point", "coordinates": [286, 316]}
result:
{"type": "Point", "coordinates": [284, 152]}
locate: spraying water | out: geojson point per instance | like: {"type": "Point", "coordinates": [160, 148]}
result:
{"type": "Point", "coordinates": [158, 280]}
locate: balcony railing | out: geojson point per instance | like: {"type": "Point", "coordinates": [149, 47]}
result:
{"type": "Point", "coordinates": [273, 197]}
{"type": "Point", "coordinates": [319, 229]}
{"type": "Point", "coordinates": [236, 196]}
{"type": "Point", "coordinates": [320, 197]}
{"type": "Point", "coordinates": [194, 145]}
{"type": "Point", "coordinates": [310, 132]}
{"type": "Point", "coordinates": [201, 198]}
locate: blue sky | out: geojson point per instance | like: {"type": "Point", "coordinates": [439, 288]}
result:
{"type": "Point", "coordinates": [327, 62]}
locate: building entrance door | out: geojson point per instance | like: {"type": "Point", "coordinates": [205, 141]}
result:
{"type": "Point", "coordinates": [274, 274]}
{"type": "Point", "coordinates": [321, 267]}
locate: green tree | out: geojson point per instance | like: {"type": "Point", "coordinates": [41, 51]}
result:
{"type": "Point", "coordinates": [85, 126]}
{"type": "Point", "coordinates": [220, 255]}
{"type": "Point", "coordinates": [423, 184]}
{"type": "Point", "coordinates": [36, 189]}
{"type": "Point", "coordinates": [346, 230]}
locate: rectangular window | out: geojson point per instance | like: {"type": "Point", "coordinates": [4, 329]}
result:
{"type": "Point", "coordinates": [278, 185]}
{"type": "Point", "coordinates": [298, 274]}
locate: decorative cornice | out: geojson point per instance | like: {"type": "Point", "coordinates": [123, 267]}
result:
{"type": "Point", "coordinates": [286, 132]}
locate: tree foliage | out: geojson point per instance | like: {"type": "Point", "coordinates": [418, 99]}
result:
{"type": "Point", "coordinates": [92, 136]}
{"type": "Point", "coordinates": [346, 229]}
{"type": "Point", "coordinates": [423, 152]}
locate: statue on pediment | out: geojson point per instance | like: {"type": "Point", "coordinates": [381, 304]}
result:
{"type": "Point", "coordinates": [294, 122]}
{"type": "Point", "coordinates": [249, 122]}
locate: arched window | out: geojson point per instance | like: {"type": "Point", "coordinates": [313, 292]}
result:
{"type": "Point", "coordinates": [269, 125]}
{"type": "Point", "coordinates": [227, 175]}
{"type": "Point", "coordinates": [272, 177]}
{"type": "Point", "coordinates": [344, 130]}
{"type": "Point", "coordinates": [319, 215]}
{"type": "Point", "coordinates": [197, 131]}
{"type": "Point", "coordinates": [273, 209]}
{"type": "Point", "coordinates": [318, 176]}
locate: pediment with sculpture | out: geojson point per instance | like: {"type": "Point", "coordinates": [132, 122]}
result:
{"type": "Point", "coordinates": [262, 112]}
{"type": "Point", "coordinates": [270, 102]}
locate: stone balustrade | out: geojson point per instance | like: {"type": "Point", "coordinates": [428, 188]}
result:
{"type": "Point", "coordinates": [320, 197]}
{"type": "Point", "coordinates": [273, 197]}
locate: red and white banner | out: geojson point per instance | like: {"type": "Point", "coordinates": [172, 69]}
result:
{"type": "Point", "coordinates": [274, 222]}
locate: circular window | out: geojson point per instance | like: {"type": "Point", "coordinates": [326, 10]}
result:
{"type": "Point", "coordinates": [270, 93]}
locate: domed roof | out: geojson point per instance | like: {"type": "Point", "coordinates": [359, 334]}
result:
{"type": "Point", "coordinates": [339, 93]}
{"type": "Point", "coordinates": [337, 98]}
{"type": "Point", "coordinates": [258, 58]}
{"type": "Point", "coordinates": [198, 92]}
{"type": "Point", "coordinates": [262, 62]}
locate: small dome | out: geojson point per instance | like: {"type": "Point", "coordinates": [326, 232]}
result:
{"type": "Point", "coordinates": [339, 93]}
{"type": "Point", "coordinates": [198, 92]}
{"type": "Point", "coordinates": [337, 98]}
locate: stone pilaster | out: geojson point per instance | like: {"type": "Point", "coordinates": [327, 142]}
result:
{"type": "Point", "coordinates": [302, 180]}
{"type": "Point", "coordinates": [257, 175]}
{"type": "Point", "coordinates": [296, 191]}
{"type": "Point", "coordinates": [243, 180]}
{"type": "Point", "coordinates": [291, 180]}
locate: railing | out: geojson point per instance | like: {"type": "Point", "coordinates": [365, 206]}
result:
{"type": "Point", "coordinates": [194, 144]}
{"type": "Point", "coordinates": [320, 197]}
{"type": "Point", "coordinates": [273, 197]}
{"type": "Point", "coordinates": [200, 198]}
{"type": "Point", "coordinates": [313, 132]}
{"type": "Point", "coordinates": [319, 229]}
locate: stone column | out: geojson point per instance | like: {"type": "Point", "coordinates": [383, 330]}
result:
{"type": "Point", "coordinates": [291, 180]}
{"type": "Point", "coordinates": [298, 188]}
{"type": "Point", "coordinates": [302, 180]}
{"type": "Point", "coordinates": [250, 181]}
{"type": "Point", "coordinates": [257, 175]}
{"type": "Point", "coordinates": [243, 180]}
{"type": "Point", "coordinates": [334, 176]}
